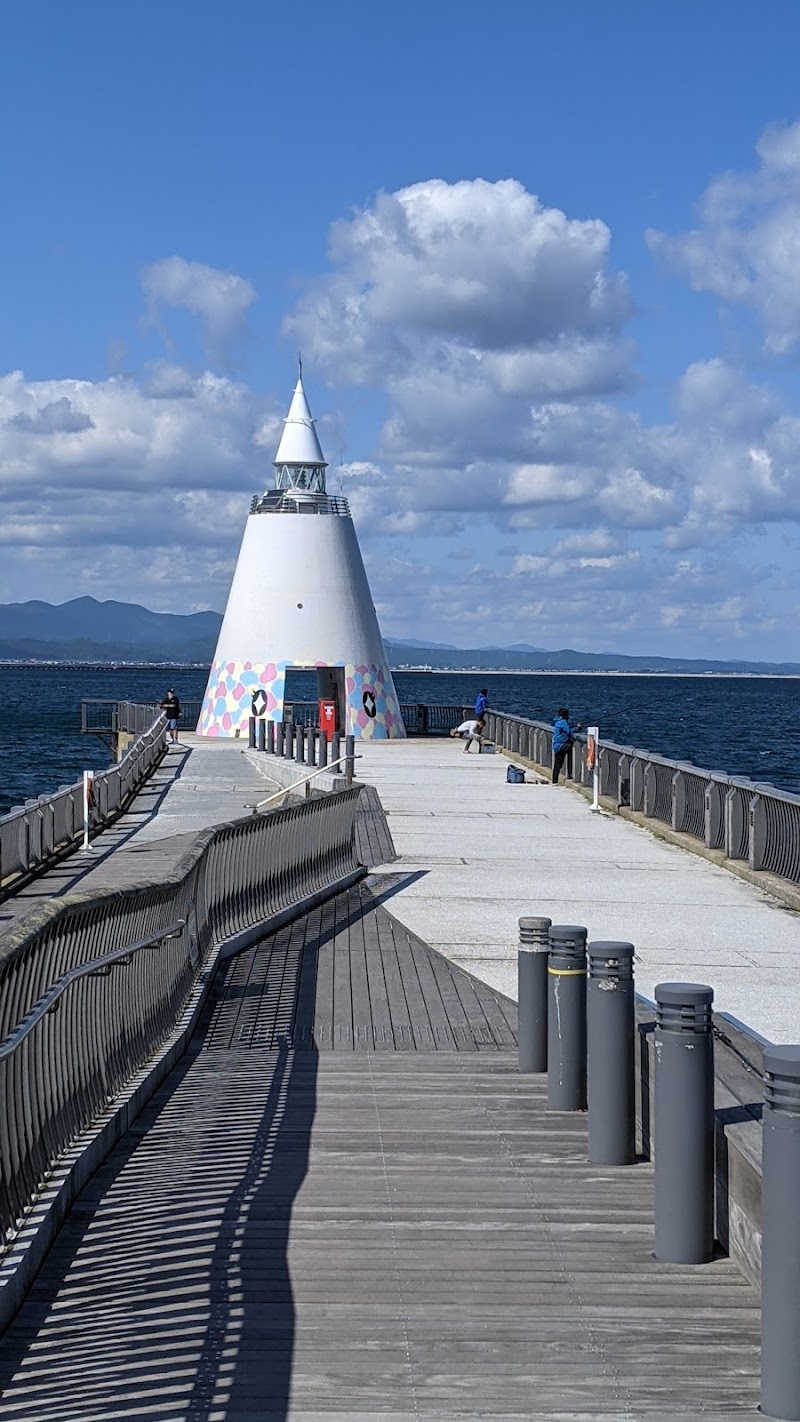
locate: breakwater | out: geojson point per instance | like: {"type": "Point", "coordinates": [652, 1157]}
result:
{"type": "Point", "coordinates": [743, 726]}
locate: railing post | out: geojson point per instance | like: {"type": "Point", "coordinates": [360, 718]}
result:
{"type": "Point", "coordinates": [780, 1234]}
{"type": "Point", "coordinates": [678, 818]}
{"type": "Point", "coordinates": [534, 946]}
{"type": "Point", "coordinates": [261, 737]}
{"type": "Point", "coordinates": [714, 813]}
{"type": "Point", "coordinates": [756, 832]}
{"type": "Point", "coordinates": [350, 763]}
{"type": "Point", "coordinates": [684, 1123]}
{"type": "Point", "coordinates": [734, 822]}
{"type": "Point", "coordinates": [636, 783]}
{"type": "Point", "coordinates": [270, 747]}
{"type": "Point", "coordinates": [422, 720]}
{"type": "Point", "coordinates": [649, 802]}
{"type": "Point", "coordinates": [610, 1028]}
{"type": "Point", "coordinates": [566, 1019]}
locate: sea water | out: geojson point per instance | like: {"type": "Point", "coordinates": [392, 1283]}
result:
{"type": "Point", "coordinates": [744, 726]}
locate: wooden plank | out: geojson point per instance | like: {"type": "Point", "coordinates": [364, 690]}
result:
{"type": "Point", "coordinates": [379, 944]}
{"type": "Point", "coordinates": [359, 985]}
{"type": "Point", "coordinates": [342, 1016]}
{"type": "Point", "coordinates": [457, 1017]}
{"type": "Point", "coordinates": [424, 1038]}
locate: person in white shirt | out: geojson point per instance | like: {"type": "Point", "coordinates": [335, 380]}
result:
{"type": "Point", "coordinates": [470, 730]}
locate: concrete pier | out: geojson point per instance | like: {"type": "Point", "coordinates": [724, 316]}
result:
{"type": "Point", "coordinates": [479, 853]}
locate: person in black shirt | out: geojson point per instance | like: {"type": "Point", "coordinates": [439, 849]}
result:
{"type": "Point", "coordinates": [171, 707]}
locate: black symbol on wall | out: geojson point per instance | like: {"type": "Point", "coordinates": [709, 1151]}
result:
{"type": "Point", "coordinates": [258, 705]}
{"type": "Point", "coordinates": [368, 702]}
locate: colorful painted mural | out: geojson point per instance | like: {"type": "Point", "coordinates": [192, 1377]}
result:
{"type": "Point", "coordinates": [228, 699]}
{"type": "Point", "coordinates": [371, 703]}
{"type": "Point", "coordinates": [372, 709]}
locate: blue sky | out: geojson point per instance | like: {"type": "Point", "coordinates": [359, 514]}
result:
{"type": "Point", "coordinates": [552, 347]}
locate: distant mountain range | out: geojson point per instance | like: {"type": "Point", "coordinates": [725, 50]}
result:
{"type": "Point", "coordinates": [90, 631]}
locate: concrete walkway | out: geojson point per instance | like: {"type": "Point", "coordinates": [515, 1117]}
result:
{"type": "Point", "coordinates": [199, 783]}
{"type": "Point", "coordinates": [479, 853]}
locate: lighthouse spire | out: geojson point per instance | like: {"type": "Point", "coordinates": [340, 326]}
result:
{"type": "Point", "coordinates": [299, 462]}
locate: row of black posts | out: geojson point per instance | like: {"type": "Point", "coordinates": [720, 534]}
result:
{"type": "Point", "coordinates": [577, 1023]}
{"type": "Point", "coordinates": [307, 745]}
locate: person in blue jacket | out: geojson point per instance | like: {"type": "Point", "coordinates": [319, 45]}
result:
{"type": "Point", "coordinates": [481, 703]}
{"type": "Point", "coordinates": [562, 740]}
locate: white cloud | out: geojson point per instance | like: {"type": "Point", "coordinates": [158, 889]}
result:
{"type": "Point", "coordinates": [219, 299]}
{"type": "Point", "coordinates": [746, 246]}
{"type": "Point", "coordinates": [475, 266]}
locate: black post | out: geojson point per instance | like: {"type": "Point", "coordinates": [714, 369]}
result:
{"type": "Point", "coordinates": [280, 732]}
{"type": "Point", "coordinates": [270, 737]}
{"type": "Point", "coordinates": [251, 732]}
{"type": "Point", "coordinates": [311, 746]}
{"type": "Point", "coordinates": [610, 1026]}
{"type": "Point", "coordinates": [336, 751]}
{"type": "Point", "coordinates": [684, 1123]}
{"type": "Point", "coordinates": [261, 732]}
{"type": "Point", "coordinates": [350, 763]}
{"type": "Point", "coordinates": [322, 758]}
{"type": "Point", "coordinates": [288, 740]}
{"type": "Point", "coordinates": [566, 1019]}
{"type": "Point", "coordinates": [300, 744]}
{"type": "Point", "coordinates": [780, 1234]}
{"type": "Point", "coordinates": [534, 946]}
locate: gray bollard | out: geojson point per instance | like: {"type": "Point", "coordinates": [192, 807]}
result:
{"type": "Point", "coordinates": [350, 763]}
{"type": "Point", "coordinates": [336, 751]}
{"type": "Point", "coordinates": [610, 1027]}
{"type": "Point", "coordinates": [251, 732]}
{"type": "Point", "coordinates": [780, 1234]}
{"type": "Point", "coordinates": [280, 731]}
{"type": "Point", "coordinates": [322, 759]}
{"type": "Point", "coordinates": [261, 734]}
{"type": "Point", "coordinates": [311, 746]}
{"type": "Point", "coordinates": [288, 740]}
{"type": "Point", "coordinates": [684, 1123]}
{"type": "Point", "coordinates": [270, 737]}
{"type": "Point", "coordinates": [534, 946]}
{"type": "Point", "coordinates": [566, 1019]}
{"type": "Point", "coordinates": [300, 744]}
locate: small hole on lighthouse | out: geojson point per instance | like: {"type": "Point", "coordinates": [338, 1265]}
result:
{"type": "Point", "coordinates": [299, 604]}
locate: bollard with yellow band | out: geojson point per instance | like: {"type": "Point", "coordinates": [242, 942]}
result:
{"type": "Point", "coordinates": [566, 1019]}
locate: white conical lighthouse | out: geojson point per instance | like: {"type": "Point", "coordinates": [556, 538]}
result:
{"type": "Point", "coordinates": [300, 599]}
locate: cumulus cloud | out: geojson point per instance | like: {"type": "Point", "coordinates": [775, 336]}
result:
{"type": "Point", "coordinates": [220, 299]}
{"type": "Point", "coordinates": [745, 248]}
{"type": "Point", "coordinates": [123, 476]}
{"type": "Point", "coordinates": [471, 266]}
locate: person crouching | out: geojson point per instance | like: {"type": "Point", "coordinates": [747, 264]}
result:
{"type": "Point", "coordinates": [470, 730]}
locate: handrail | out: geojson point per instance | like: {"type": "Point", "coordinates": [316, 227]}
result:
{"type": "Point", "coordinates": [59, 1070]}
{"type": "Point", "coordinates": [743, 819]}
{"type": "Point", "coordinates": [287, 789]}
{"type": "Point", "coordinates": [33, 836]}
{"type": "Point", "coordinates": [49, 1000]}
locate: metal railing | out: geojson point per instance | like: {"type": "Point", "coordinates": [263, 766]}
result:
{"type": "Point", "coordinates": [744, 819]}
{"type": "Point", "coordinates": [92, 987]}
{"type": "Point", "coordinates": [38, 832]}
{"type": "Point", "coordinates": [107, 717]}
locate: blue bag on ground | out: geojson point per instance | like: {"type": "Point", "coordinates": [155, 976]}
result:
{"type": "Point", "coordinates": [515, 775]}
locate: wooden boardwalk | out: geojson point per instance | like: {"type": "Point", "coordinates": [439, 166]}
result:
{"type": "Point", "coordinates": [347, 1204]}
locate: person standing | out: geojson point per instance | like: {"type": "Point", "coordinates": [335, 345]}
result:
{"type": "Point", "coordinates": [563, 735]}
{"type": "Point", "coordinates": [481, 704]}
{"type": "Point", "coordinates": [171, 707]}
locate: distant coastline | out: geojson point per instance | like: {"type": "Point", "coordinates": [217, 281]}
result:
{"type": "Point", "coordinates": [405, 669]}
